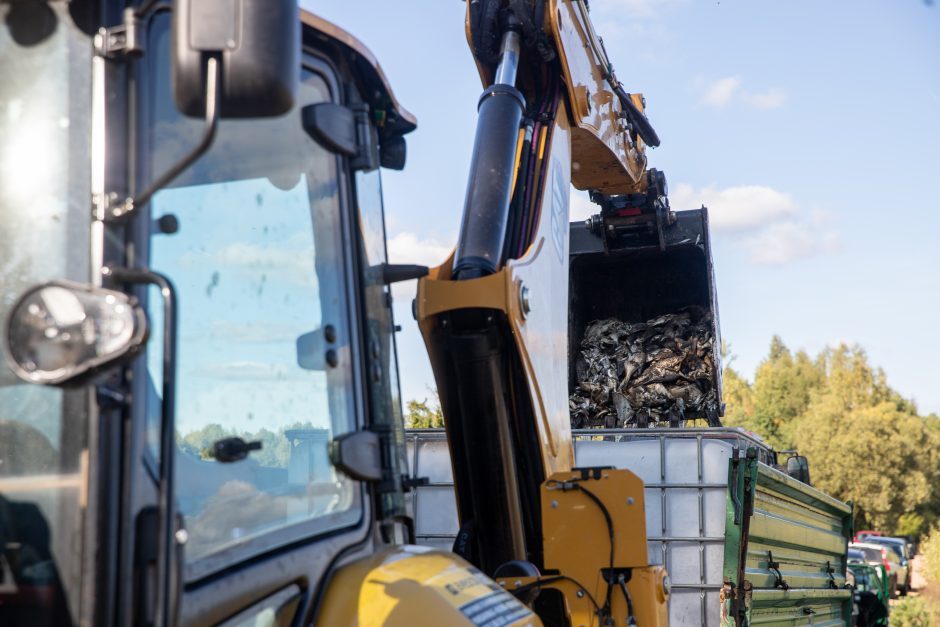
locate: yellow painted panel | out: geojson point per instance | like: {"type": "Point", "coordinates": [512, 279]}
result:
{"type": "Point", "coordinates": [411, 586]}
{"type": "Point", "coordinates": [541, 334]}
{"type": "Point", "coordinates": [578, 545]}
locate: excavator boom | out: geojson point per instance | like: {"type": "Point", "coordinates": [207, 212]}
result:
{"type": "Point", "coordinates": [495, 315]}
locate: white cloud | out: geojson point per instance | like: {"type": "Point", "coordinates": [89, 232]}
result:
{"type": "Point", "coordinates": [292, 260]}
{"type": "Point", "coordinates": [735, 209]}
{"type": "Point", "coordinates": [773, 98]}
{"type": "Point", "coordinates": [790, 240]}
{"type": "Point", "coordinates": [781, 243]}
{"type": "Point", "coordinates": [263, 257]}
{"type": "Point", "coordinates": [239, 371]}
{"type": "Point", "coordinates": [720, 92]}
{"type": "Point", "coordinates": [251, 333]}
{"type": "Point", "coordinates": [767, 223]}
{"type": "Point", "coordinates": [581, 207]}
{"type": "Point", "coordinates": [407, 247]}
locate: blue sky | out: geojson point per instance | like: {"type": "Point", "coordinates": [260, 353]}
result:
{"type": "Point", "coordinates": [810, 129]}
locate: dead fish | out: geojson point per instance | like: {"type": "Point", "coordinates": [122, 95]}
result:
{"type": "Point", "coordinates": [658, 370]}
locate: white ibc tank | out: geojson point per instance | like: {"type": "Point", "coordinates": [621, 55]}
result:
{"type": "Point", "coordinates": [685, 472]}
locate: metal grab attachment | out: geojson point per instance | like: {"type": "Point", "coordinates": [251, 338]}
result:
{"type": "Point", "coordinates": [774, 567]}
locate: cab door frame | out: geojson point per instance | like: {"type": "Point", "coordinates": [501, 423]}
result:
{"type": "Point", "coordinates": [241, 585]}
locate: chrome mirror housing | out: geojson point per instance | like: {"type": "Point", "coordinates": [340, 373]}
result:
{"type": "Point", "coordinates": [60, 332]}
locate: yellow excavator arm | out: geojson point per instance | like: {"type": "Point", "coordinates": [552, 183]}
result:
{"type": "Point", "coordinates": [609, 130]}
{"type": "Point", "coordinates": [495, 318]}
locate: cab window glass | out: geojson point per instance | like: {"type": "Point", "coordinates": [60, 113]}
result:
{"type": "Point", "coordinates": [264, 329]}
{"type": "Point", "coordinates": [44, 221]}
{"type": "Point", "coordinates": [385, 402]}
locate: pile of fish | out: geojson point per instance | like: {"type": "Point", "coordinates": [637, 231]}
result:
{"type": "Point", "coordinates": [641, 374]}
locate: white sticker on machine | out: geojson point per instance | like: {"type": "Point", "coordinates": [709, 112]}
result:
{"type": "Point", "coordinates": [560, 196]}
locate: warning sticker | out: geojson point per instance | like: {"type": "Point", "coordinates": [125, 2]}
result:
{"type": "Point", "coordinates": [498, 609]}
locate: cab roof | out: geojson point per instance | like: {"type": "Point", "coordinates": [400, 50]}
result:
{"type": "Point", "coordinates": [391, 117]}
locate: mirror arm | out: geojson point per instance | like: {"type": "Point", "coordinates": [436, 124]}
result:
{"type": "Point", "coordinates": [168, 573]}
{"type": "Point", "coordinates": [213, 98]}
{"type": "Point", "coordinates": [396, 272]}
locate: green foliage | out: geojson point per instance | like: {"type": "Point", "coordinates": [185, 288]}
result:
{"type": "Point", "coordinates": [911, 524]}
{"type": "Point", "coordinates": [911, 612]}
{"type": "Point", "coordinates": [783, 386]}
{"type": "Point", "coordinates": [200, 442]}
{"type": "Point", "coordinates": [422, 415]}
{"type": "Point", "coordinates": [930, 549]}
{"type": "Point", "coordinates": [865, 455]}
{"type": "Point", "coordinates": [739, 400]}
{"type": "Point", "coordinates": [275, 446]}
{"type": "Point", "coordinates": [864, 441]}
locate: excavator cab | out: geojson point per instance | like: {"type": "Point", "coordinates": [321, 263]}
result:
{"type": "Point", "coordinates": [199, 414]}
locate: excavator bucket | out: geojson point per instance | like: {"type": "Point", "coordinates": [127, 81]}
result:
{"type": "Point", "coordinates": [641, 274]}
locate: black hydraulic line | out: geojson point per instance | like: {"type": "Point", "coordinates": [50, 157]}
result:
{"type": "Point", "coordinates": [535, 187]}
{"type": "Point", "coordinates": [542, 582]}
{"type": "Point", "coordinates": [631, 619]}
{"type": "Point", "coordinates": [610, 534]}
{"type": "Point", "coordinates": [489, 189]}
{"type": "Point", "coordinates": [639, 120]}
{"type": "Point", "coordinates": [576, 485]}
{"type": "Point", "coordinates": [517, 210]}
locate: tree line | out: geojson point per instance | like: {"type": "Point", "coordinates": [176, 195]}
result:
{"type": "Point", "coordinates": [865, 442]}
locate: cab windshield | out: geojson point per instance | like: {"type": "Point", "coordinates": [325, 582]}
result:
{"type": "Point", "coordinates": [44, 218]}
{"type": "Point", "coordinates": [266, 348]}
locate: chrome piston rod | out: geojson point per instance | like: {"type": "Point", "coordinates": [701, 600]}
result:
{"type": "Point", "coordinates": [508, 59]}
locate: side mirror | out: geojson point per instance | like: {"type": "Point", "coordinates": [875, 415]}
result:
{"type": "Point", "coordinates": [256, 42]}
{"type": "Point", "coordinates": [347, 131]}
{"type": "Point", "coordinates": [393, 152]}
{"type": "Point", "coordinates": [798, 468]}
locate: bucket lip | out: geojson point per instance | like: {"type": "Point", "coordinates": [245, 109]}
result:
{"type": "Point", "coordinates": [715, 433]}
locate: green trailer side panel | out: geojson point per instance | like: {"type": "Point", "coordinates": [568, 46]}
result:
{"type": "Point", "coordinates": [785, 551]}
{"type": "Point", "coordinates": [801, 607]}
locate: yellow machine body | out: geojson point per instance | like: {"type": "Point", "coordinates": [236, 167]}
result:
{"type": "Point", "coordinates": [533, 293]}
{"type": "Point", "coordinates": [604, 157]}
{"type": "Point", "coordinates": [578, 544]}
{"type": "Point", "coordinates": [540, 277]}
{"type": "Point", "coordinates": [588, 145]}
{"type": "Point", "coordinates": [406, 586]}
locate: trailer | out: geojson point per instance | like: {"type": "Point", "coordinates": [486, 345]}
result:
{"type": "Point", "coordinates": [743, 542]}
